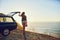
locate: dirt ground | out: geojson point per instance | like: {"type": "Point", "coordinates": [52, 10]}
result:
{"type": "Point", "coordinates": [18, 35]}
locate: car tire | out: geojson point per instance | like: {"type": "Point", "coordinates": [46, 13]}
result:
{"type": "Point", "coordinates": [6, 32]}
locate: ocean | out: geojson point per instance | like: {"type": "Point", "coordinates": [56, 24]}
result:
{"type": "Point", "coordinates": [44, 27]}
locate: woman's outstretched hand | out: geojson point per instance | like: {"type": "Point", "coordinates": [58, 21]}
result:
{"type": "Point", "coordinates": [19, 14]}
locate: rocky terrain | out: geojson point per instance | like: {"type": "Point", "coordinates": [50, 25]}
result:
{"type": "Point", "coordinates": [18, 35]}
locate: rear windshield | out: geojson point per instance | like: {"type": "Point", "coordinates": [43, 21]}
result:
{"type": "Point", "coordinates": [6, 19]}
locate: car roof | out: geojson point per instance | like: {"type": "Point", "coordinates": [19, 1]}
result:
{"type": "Point", "coordinates": [3, 15]}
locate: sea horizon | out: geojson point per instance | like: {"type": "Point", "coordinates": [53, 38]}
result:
{"type": "Point", "coordinates": [49, 28]}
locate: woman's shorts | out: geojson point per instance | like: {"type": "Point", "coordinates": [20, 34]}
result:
{"type": "Point", "coordinates": [24, 23]}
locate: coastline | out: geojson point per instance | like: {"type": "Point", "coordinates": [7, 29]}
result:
{"type": "Point", "coordinates": [18, 35]}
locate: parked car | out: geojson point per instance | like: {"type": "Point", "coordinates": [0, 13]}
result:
{"type": "Point", "coordinates": [7, 24]}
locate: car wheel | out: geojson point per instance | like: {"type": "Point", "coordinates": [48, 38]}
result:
{"type": "Point", "coordinates": [5, 32]}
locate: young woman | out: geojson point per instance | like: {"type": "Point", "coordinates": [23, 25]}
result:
{"type": "Point", "coordinates": [24, 23]}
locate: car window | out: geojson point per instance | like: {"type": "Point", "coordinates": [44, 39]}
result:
{"type": "Point", "coordinates": [6, 19]}
{"type": "Point", "coordinates": [1, 19]}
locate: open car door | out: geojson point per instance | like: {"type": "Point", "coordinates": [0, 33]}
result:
{"type": "Point", "coordinates": [12, 13]}
{"type": "Point", "coordinates": [18, 25]}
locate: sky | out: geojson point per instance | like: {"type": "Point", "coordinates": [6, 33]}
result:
{"type": "Point", "coordinates": [36, 10]}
